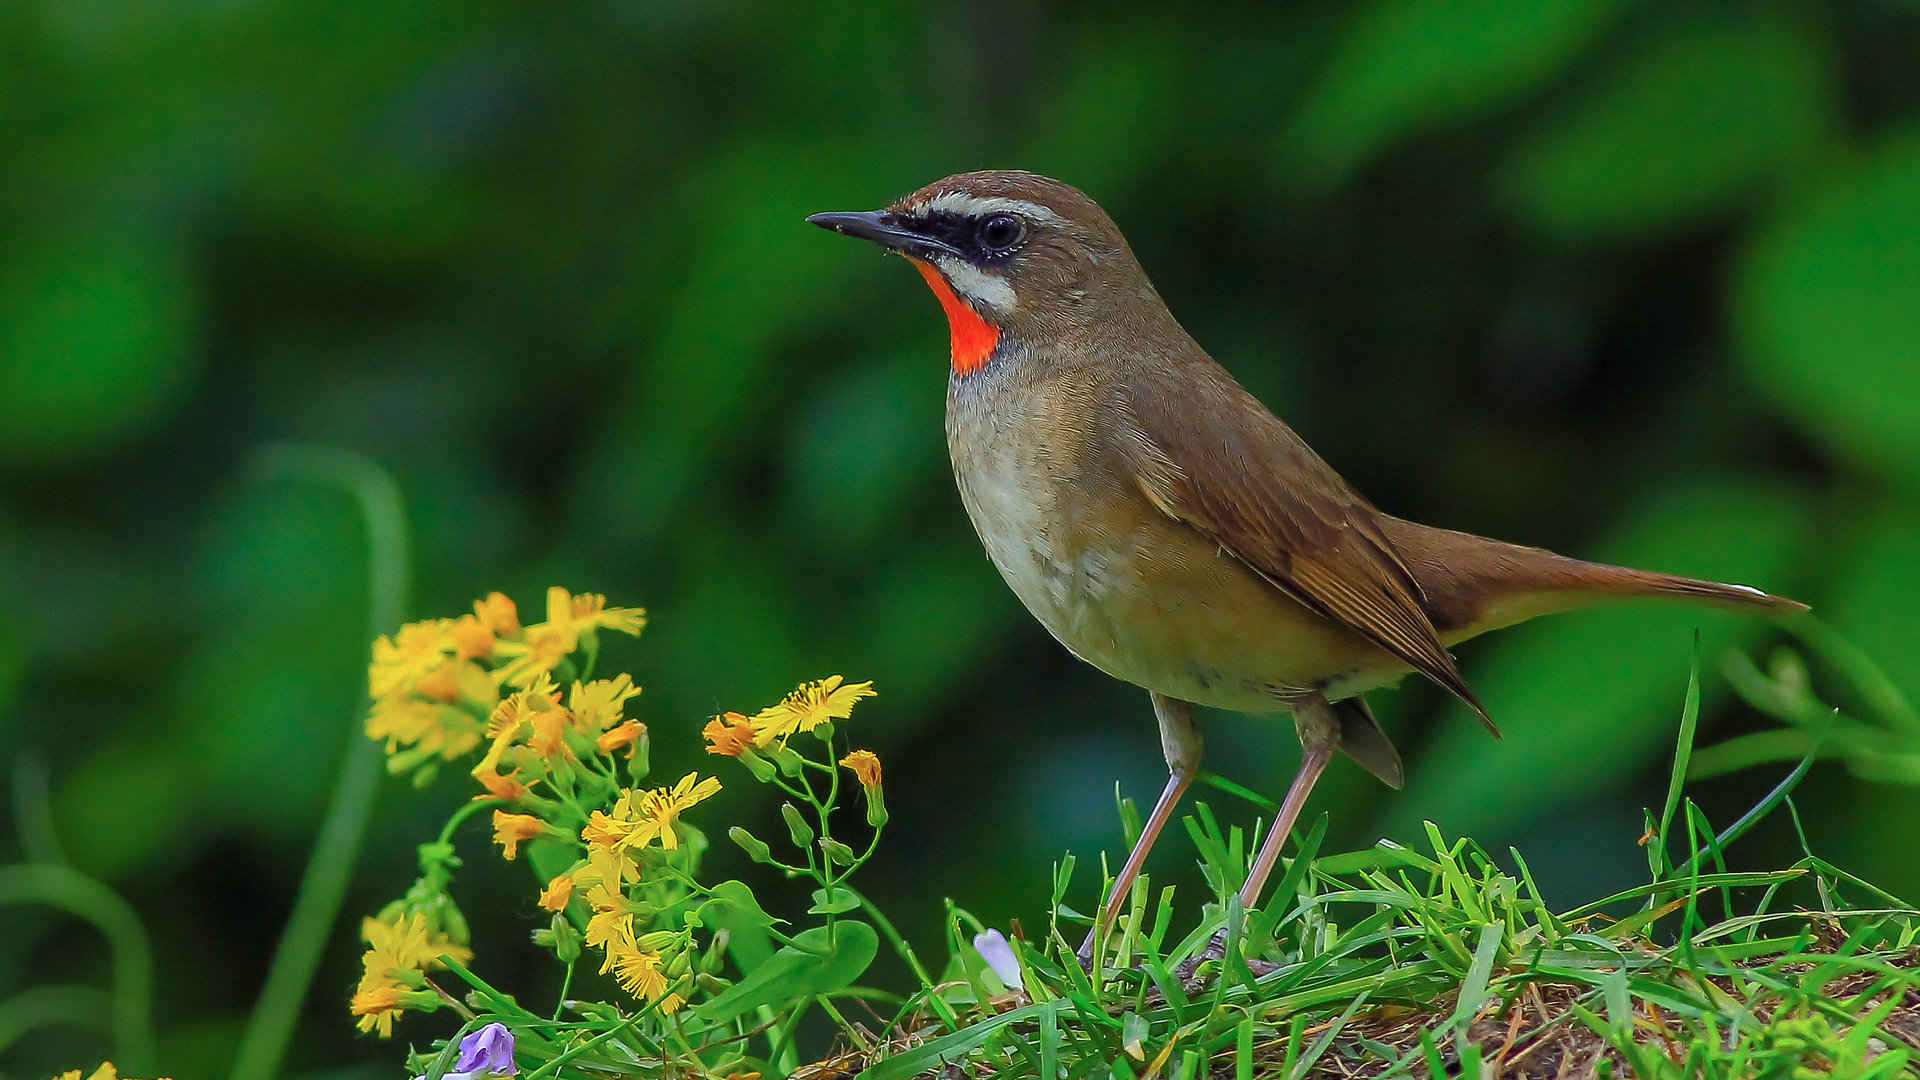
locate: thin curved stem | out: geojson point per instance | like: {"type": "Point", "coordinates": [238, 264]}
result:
{"type": "Point", "coordinates": [75, 893]}
{"type": "Point", "coordinates": [33, 809]}
{"type": "Point", "coordinates": [53, 1006]}
{"type": "Point", "coordinates": [323, 886]}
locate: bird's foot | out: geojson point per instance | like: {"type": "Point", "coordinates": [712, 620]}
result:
{"type": "Point", "coordinates": [1214, 952]}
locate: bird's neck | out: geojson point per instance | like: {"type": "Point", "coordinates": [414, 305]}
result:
{"type": "Point", "coordinates": [974, 338]}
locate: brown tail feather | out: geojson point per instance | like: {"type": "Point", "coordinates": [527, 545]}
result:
{"type": "Point", "coordinates": [1473, 584]}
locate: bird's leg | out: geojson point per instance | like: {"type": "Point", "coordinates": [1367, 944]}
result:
{"type": "Point", "coordinates": [1318, 726]}
{"type": "Point", "coordinates": [1319, 730]}
{"type": "Point", "coordinates": [1180, 742]}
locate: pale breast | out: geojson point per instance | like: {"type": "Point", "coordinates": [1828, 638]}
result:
{"type": "Point", "coordinates": [1125, 588]}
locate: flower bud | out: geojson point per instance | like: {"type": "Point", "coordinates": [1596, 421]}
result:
{"type": "Point", "coordinates": [787, 758]}
{"type": "Point", "coordinates": [561, 937]}
{"type": "Point", "coordinates": [760, 767]}
{"type": "Point", "coordinates": [797, 827]}
{"type": "Point", "coordinates": [876, 806]}
{"type": "Point", "coordinates": [715, 955]}
{"type": "Point", "coordinates": [454, 924]}
{"type": "Point", "coordinates": [640, 755]}
{"type": "Point", "coordinates": [756, 849]}
{"type": "Point", "coordinates": [837, 852]}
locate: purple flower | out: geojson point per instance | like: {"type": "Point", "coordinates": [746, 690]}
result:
{"type": "Point", "coordinates": [487, 1052]}
{"type": "Point", "coordinates": [993, 948]}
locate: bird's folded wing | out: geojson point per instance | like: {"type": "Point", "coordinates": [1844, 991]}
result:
{"type": "Point", "coordinates": [1207, 453]}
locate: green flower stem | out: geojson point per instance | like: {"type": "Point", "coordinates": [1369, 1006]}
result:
{"type": "Point", "coordinates": [906, 953]}
{"type": "Point", "coordinates": [75, 893]}
{"type": "Point", "coordinates": [552, 1067]}
{"type": "Point", "coordinates": [467, 810]}
{"type": "Point", "coordinates": [324, 884]}
{"type": "Point", "coordinates": [851, 1032]}
{"type": "Point", "coordinates": [566, 983]}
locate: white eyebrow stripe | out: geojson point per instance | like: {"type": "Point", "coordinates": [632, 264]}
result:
{"type": "Point", "coordinates": [977, 284]}
{"type": "Point", "coordinates": [959, 202]}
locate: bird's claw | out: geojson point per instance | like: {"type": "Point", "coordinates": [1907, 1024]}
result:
{"type": "Point", "coordinates": [1216, 950]}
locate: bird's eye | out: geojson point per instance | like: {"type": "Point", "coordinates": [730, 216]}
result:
{"type": "Point", "coordinates": [999, 233]}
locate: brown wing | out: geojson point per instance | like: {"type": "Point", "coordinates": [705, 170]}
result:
{"type": "Point", "coordinates": [1207, 453]}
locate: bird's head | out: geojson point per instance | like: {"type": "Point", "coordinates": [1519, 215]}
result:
{"type": "Point", "coordinates": [1011, 256]}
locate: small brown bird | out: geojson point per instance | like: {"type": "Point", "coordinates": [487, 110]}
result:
{"type": "Point", "coordinates": [1167, 528]}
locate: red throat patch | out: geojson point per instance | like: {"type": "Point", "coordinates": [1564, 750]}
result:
{"type": "Point", "coordinates": [973, 336]}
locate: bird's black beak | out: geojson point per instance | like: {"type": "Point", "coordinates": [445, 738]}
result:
{"type": "Point", "coordinates": [888, 230]}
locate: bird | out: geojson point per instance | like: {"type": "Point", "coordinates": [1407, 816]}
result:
{"type": "Point", "coordinates": [1167, 528]}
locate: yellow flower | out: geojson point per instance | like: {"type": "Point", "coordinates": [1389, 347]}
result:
{"type": "Point", "coordinates": [376, 1005]}
{"type": "Point", "coordinates": [511, 830]}
{"type": "Point", "coordinates": [665, 806]}
{"type": "Point", "coordinates": [613, 868]}
{"type": "Point", "coordinates": [399, 662]}
{"type": "Point", "coordinates": [579, 613]}
{"type": "Point", "coordinates": [611, 929]}
{"type": "Point", "coordinates": [472, 638]}
{"type": "Point", "coordinates": [557, 893]}
{"type": "Point", "coordinates": [545, 644]}
{"type": "Point", "coordinates": [404, 720]}
{"type": "Point", "coordinates": [808, 707]}
{"type": "Point", "coordinates": [624, 735]}
{"type": "Point", "coordinates": [515, 709]}
{"type": "Point", "coordinates": [640, 817]}
{"type": "Point", "coordinates": [865, 766]}
{"type": "Point", "coordinates": [106, 1071]}
{"type": "Point", "coordinates": [638, 973]}
{"type": "Point", "coordinates": [549, 738]}
{"type": "Point", "coordinates": [730, 733]}
{"type": "Point", "coordinates": [600, 704]}
{"type": "Point", "coordinates": [409, 944]}
{"type": "Point", "coordinates": [499, 785]}
{"type": "Point", "coordinates": [528, 660]}
{"type": "Point", "coordinates": [497, 613]}
{"type": "Point", "coordinates": [621, 827]}
{"type": "Point", "coordinates": [396, 949]}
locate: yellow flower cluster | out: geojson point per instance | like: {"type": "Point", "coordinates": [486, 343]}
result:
{"type": "Point", "coordinates": [106, 1071]}
{"type": "Point", "coordinates": [643, 964]}
{"type": "Point", "coordinates": [532, 734]}
{"type": "Point", "coordinates": [435, 683]}
{"type": "Point", "coordinates": [393, 972]}
{"type": "Point", "coordinates": [550, 743]}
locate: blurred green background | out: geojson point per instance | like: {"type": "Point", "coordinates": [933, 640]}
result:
{"type": "Point", "coordinates": [1639, 282]}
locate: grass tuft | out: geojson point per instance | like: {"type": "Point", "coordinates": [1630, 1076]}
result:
{"type": "Point", "coordinates": [1443, 961]}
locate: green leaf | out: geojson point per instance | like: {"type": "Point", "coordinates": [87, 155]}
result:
{"type": "Point", "coordinates": [934, 1053]}
{"type": "Point", "coordinates": [820, 964]}
{"type": "Point", "coordinates": [833, 902]}
{"type": "Point", "coordinates": [1687, 124]}
{"type": "Point", "coordinates": [739, 905]}
{"type": "Point", "coordinates": [1824, 312]}
{"type": "Point", "coordinates": [1677, 776]}
{"type": "Point", "coordinates": [1408, 64]}
{"type": "Point", "coordinates": [744, 921]}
